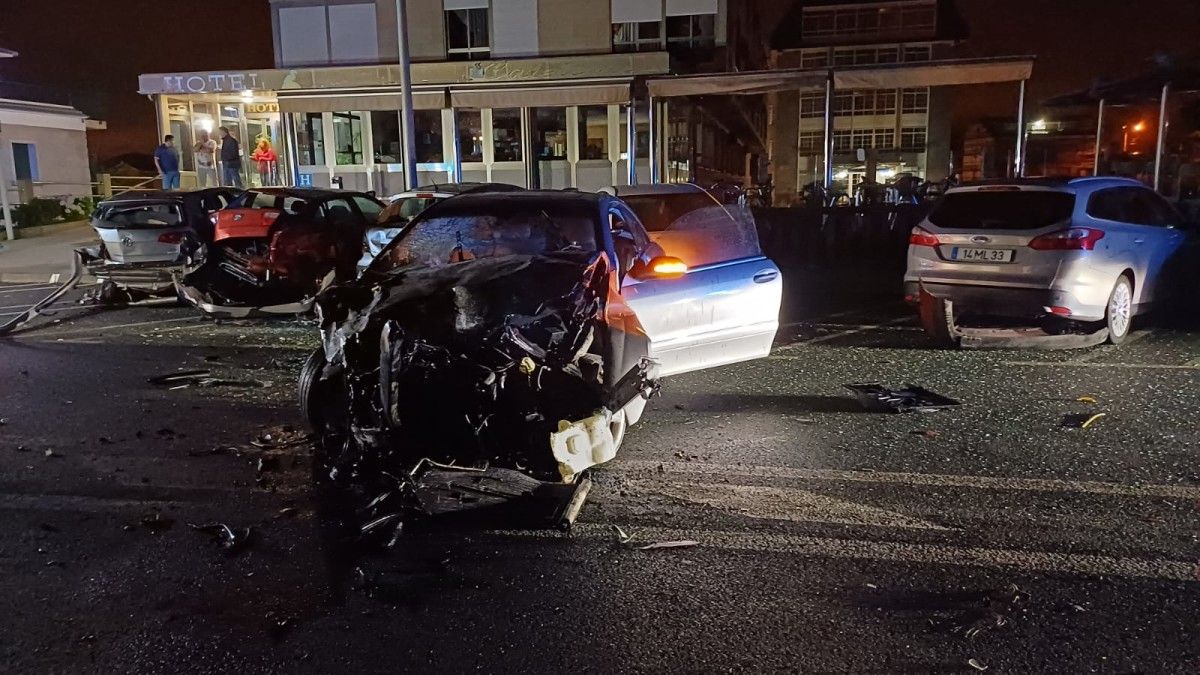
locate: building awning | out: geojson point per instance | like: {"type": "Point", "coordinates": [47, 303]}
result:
{"type": "Point", "coordinates": [942, 73]}
{"type": "Point", "coordinates": [1138, 90]}
{"type": "Point", "coordinates": [546, 95]}
{"type": "Point", "coordinates": [326, 101]}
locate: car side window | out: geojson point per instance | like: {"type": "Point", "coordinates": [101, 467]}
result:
{"type": "Point", "coordinates": [339, 213]}
{"type": "Point", "coordinates": [1160, 211]}
{"type": "Point", "coordinates": [1109, 204]}
{"type": "Point", "coordinates": [369, 209]}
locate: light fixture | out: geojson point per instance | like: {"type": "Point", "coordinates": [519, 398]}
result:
{"type": "Point", "coordinates": [1140, 126]}
{"type": "Point", "coordinates": [1038, 125]}
{"type": "Point", "coordinates": [206, 124]}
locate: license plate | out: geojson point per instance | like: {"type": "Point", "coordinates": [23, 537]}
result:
{"type": "Point", "coordinates": [990, 255]}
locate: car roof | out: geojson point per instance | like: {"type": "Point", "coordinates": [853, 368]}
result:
{"type": "Point", "coordinates": [461, 188]}
{"type": "Point", "coordinates": [1063, 184]}
{"type": "Point", "coordinates": [306, 192]}
{"type": "Point", "coordinates": [655, 189]}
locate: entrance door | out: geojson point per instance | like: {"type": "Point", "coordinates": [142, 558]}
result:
{"type": "Point", "coordinates": [258, 129]}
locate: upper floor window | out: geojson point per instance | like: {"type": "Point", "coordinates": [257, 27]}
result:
{"type": "Point", "coordinates": [342, 33]}
{"type": "Point", "coordinates": [916, 18]}
{"type": "Point", "coordinates": [695, 30]}
{"type": "Point", "coordinates": [637, 36]}
{"type": "Point", "coordinates": [914, 101]}
{"type": "Point", "coordinates": [467, 35]}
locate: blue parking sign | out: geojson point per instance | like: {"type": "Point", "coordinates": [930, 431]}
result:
{"type": "Point", "coordinates": [304, 180]}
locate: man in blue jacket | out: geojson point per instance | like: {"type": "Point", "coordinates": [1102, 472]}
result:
{"type": "Point", "coordinates": [231, 159]}
{"type": "Point", "coordinates": [166, 158]}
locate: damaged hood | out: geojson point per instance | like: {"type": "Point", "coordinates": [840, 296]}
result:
{"type": "Point", "coordinates": [451, 304]}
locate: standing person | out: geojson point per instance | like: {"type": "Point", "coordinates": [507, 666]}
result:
{"type": "Point", "coordinates": [231, 159]}
{"type": "Point", "coordinates": [266, 159]}
{"type": "Point", "coordinates": [206, 160]}
{"type": "Point", "coordinates": [166, 158]}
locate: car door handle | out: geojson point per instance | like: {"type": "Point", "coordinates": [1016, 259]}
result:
{"type": "Point", "coordinates": [765, 276]}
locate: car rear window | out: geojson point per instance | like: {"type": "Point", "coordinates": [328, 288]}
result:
{"type": "Point", "coordinates": [1002, 210]}
{"type": "Point", "coordinates": [265, 200]}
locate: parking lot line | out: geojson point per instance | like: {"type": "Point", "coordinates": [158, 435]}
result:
{"type": "Point", "coordinates": [10, 289]}
{"type": "Point", "coordinates": [924, 479]}
{"type": "Point", "coordinates": [75, 331]}
{"type": "Point", "coordinates": [1093, 364]}
{"type": "Point", "coordinates": [891, 551]}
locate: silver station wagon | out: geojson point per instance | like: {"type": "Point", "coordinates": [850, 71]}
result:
{"type": "Point", "coordinates": [1084, 250]}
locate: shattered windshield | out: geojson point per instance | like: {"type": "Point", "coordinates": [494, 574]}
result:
{"type": "Point", "coordinates": [484, 229]}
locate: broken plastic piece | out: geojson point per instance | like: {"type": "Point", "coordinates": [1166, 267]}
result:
{"type": "Point", "coordinates": [231, 540]}
{"type": "Point", "coordinates": [876, 397]}
{"type": "Point", "coordinates": [977, 664]}
{"type": "Point", "coordinates": [682, 543]}
{"type": "Point", "coordinates": [581, 445]}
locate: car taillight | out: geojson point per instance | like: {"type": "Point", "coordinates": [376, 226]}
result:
{"type": "Point", "coordinates": [923, 237]}
{"type": "Point", "coordinates": [170, 237]}
{"type": "Point", "coordinates": [1071, 239]}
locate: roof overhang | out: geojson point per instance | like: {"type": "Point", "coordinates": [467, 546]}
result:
{"type": "Point", "coordinates": [942, 73]}
{"type": "Point", "coordinates": [7, 53]}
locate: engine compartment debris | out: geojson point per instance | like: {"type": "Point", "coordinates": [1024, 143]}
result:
{"type": "Point", "coordinates": [489, 385]}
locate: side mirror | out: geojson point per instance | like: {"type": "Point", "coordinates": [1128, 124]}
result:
{"type": "Point", "coordinates": [664, 267]}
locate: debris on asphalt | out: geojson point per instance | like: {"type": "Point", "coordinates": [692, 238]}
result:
{"type": "Point", "coordinates": [878, 398]}
{"type": "Point", "coordinates": [1082, 421]}
{"type": "Point", "coordinates": [201, 378]}
{"type": "Point", "coordinates": [3, 421]}
{"type": "Point", "coordinates": [215, 450]}
{"type": "Point", "coordinates": [977, 664]}
{"type": "Point", "coordinates": [229, 539]}
{"type": "Point", "coordinates": [622, 537]}
{"type": "Point", "coordinates": [287, 512]}
{"type": "Point", "coordinates": [925, 433]}
{"type": "Point", "coordinates": [681, 543]}
{"type": "Point", "coordinates": [1086, 399]}
{"type": "Point", "coordinates": [157, 523]}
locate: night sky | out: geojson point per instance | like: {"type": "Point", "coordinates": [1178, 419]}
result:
{"type": "Point", "coordinates": [97, 49]}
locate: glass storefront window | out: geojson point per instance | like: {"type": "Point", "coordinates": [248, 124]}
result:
{"type": "Point", "coordinates": [347, 138]}
{"type": "Point", "coordinates": [310, 139]}
{"type": "Point", "coordinates": [385, 135]}
{"type": "Point", "coordinates": [470, 135]}
{"type": "Point", "coordinates": [428, 131]}
{"type": "Point", "coordinates": [231, 111]}
{"type": "Point", "coordinates": [506, 135]}
{"type": "Point", "coordinates": [550, 133]}
{"type": "Point", "coordinates": [181, 129]}
{"type": "Point", "coordinates": [642, 128]}
{"type": "Point", "coordinates": [593, 132]}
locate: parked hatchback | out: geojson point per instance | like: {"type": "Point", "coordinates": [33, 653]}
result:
{"type": "Point", "coordinates": [1085, 250]}
{"type": "Point", "coordinates": [150, 226]}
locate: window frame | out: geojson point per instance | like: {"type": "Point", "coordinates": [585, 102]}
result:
{"type": "Point", "coordinates": [31, 159]}
{"type": "Point", "coordinates": [471, 51]}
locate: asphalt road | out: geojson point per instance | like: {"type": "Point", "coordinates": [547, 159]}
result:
{"type": "Point", "coordinates": [830, 539]}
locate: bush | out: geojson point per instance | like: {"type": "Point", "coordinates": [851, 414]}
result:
{"type": "Point", "coordinates": [81, 209]}
{"type": "Point", "coordinates": [38, 212]}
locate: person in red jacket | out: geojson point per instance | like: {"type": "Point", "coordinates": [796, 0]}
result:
{"type": "Point", "coordinates": [267, 161]}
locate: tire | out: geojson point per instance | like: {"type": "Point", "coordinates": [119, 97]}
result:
{"type": "Point", "coordinates": [1118, 313]}
{"type": "Point", "coordinates": [316, 397]}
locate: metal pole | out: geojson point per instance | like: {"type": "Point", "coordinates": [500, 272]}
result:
{"type": "Point", "coordinates": [289, 150]}
{"type": "Point", "coordinates": [652, 107]}
{"type": "Point", "coordinates": [407, 124]}
{"type": "Point", "coordinates": [456, 161]}
{"type": "Point", "coordinates": [631, 141]}
{"type": "Point", "coordinates": [1019, 156]}
{"type": "Point", "coordinates": [1162, 135]}
{"type": "Point", "coordinates": [1099, 135]}
{"type": "Point", "coordinates": [829, 132]}
{"type": "Point", "coordinates": [4, 206]}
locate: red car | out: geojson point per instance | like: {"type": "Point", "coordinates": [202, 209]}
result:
{"type": "Point", "coordinates": [273, 248]}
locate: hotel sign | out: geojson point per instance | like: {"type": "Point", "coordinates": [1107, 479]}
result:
{"type": "Point", "coordinates": [441, 73]}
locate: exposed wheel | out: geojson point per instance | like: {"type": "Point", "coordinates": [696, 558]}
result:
{"type": "Point", "coordinates": [1118, 315]}
{"type": "Point", "coordinates": [320, 399]}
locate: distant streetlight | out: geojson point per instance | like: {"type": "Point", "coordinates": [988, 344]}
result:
{"type": "Point", "coordinates": [1126, 129]}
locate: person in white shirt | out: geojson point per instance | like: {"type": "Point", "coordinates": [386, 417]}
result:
{"type": "Point", "coordinates": [205, 150]}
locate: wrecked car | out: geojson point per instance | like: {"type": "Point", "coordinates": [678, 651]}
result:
{"type": "Point", "coordinates": [147, 235]}
{"type": "Point", "coordinates": [274, 248]}
{"type": "Point", "coordinates": [404, 206]}
{"type": "Point", "coordinates": [523, 330]}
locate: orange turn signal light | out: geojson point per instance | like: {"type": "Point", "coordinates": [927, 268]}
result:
{"type": "Point", "coordinates": [666, 267]}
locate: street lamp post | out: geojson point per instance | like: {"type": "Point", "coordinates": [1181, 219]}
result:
{"type": "Point", "coordinates": [406, 100]}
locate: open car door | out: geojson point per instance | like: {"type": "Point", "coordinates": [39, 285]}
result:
{"type": "Point", "coordinates": [723, 309]}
